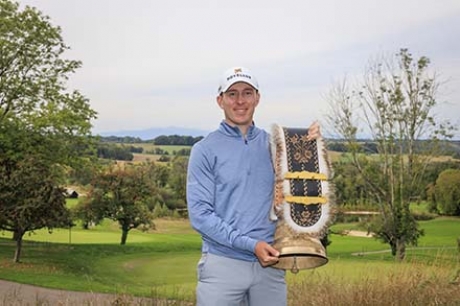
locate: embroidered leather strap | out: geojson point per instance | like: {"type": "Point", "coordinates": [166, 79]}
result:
{"type": "Point", "coordinates": [302, 159]}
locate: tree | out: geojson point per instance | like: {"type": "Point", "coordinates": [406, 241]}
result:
{"type": "Point", "coordinates": [447, 192]}
{"type": "Point", "coordinates": [120, 193]}
{"type": "Point", "coordinates": [393, 105]}
{"type": "Point", "coordinates": [178, 180]}
{"type": "Point", "coordinates": [114, 151]}
{"type": "Point", "coordinates": [349, 186]}
{"type": "Point", "coordinates": [32, 203]}
{"type": "Point", "coordinates": [156, 173]}
{"type": "Point", "coordinates": [44, 128]}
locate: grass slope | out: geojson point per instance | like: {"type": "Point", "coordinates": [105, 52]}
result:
{"type": "Point", "coordinates": [162, 263]}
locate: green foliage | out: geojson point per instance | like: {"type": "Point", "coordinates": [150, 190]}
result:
{"type": "Point", "coordinates": [351, 190]}
{"type": "Point", "coordinates": [164, 158]}
{"type": "Point", "coordinates": [33, 75]}
{"type": "Point", "coordinates": [121, 194]}
{"type": "Point", "coordinates": [447, 192]}
{"type": "Point", "coordinates": [176, 140]}
{"type": "Point", "coordinates": [397, 228]}
{"type": "Point", "coordinates": [158, 151]}
{"type": "Point", "coordinates": [113, 151]}
{"type": "Point", "coordinates": [159, 174]}
{"type": "Point", "coordinates": [178, 179]}
{"type": "Point", "coordinates": [83, 174]}
{"type": "Point", "coordinates": [32, 203]}
{"type": "Point", "coordinates": [167, 198]}
{"type": "Point", "coordinates": [183, 152]}
{"type": "Point", "coordinates": [161, 211]}
{"type": "Point", "coordinates": [44, 128]}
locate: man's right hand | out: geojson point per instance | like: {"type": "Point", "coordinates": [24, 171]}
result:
{"type": "Point", "coordinates": [266, 254]}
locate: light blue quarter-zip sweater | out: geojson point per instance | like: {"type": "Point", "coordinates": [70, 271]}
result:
{"type": "Point", "coordinates": [230, 191]}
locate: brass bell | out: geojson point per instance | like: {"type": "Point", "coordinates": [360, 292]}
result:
{"type": "Point", "coordinates": [299, 254]}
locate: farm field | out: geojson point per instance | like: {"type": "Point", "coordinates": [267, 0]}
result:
{"type": "Point", "coordinates": [147, 154]}
{"type": "Point", "coordinates": [162, 262]}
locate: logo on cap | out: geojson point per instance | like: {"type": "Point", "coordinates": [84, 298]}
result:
{"type": "Point", "coordinates": [237, 70]}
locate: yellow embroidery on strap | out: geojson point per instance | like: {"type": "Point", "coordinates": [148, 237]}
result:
{"type": "Point", "coordinates": [305, 200]}
{"type": "Point", "coordinates": [305, 175]}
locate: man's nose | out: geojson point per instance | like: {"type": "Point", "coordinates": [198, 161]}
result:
{"type": "Point", "coordinates": [240, 99]}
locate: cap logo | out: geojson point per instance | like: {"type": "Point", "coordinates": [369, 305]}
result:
{"type": "Point", "coordinates": [234, 75]}
{"type": "Point", "coordinates": [238, 72]}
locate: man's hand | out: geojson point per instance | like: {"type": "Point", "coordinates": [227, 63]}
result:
{"type": "Point", "coordinates": [314, 131]}
{"type": "Point", "coordinates": [266, 254]}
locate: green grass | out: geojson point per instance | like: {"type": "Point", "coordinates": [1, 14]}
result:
{"type": "Point", "coordinates": [441, 232]}
{"type": "Point", "coordinates": [163, 262]}
{"type": "Point", "coordinates": [94, 261]}
{"type": "Point", "coordinates": [71, 202]}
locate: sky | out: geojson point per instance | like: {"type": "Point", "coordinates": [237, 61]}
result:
{"type": "Point", "coordinates": [151, 63]}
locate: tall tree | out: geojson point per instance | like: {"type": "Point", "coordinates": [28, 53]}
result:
{"type": "Point", "coordinates": [393, 105]}
{"type": "Point", "coordinates": [44, 128]}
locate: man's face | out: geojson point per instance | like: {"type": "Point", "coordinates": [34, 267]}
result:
{"type": "Point", "coordinates": [239, 103]}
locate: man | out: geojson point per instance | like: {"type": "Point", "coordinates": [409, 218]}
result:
{"type": "Point", "coordinates": [229, 196]}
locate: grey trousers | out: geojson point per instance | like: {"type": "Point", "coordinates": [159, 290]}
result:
{"type": "Point", "coordinates": [224, 281]}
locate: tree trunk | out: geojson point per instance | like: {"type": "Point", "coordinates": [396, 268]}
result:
{"type": "Point", "coordinates": [124, 235]}
{"type": "Point", "coordinates": [393, 248]}
{"type": "Point", "coordinates": [18, 238]}
{"type": "Point", "coordinates": [400, 249]}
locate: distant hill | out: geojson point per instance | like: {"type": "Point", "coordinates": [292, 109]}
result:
{"type": "Point", "coordinates": [152, 133]}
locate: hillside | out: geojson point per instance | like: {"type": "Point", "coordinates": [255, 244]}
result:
{"type": "Point", "coordinates": [150, 133]}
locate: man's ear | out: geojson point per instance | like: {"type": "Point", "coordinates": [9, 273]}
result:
{"type": "Point", "coordinates": [219, 100]}
{"type": "Point", "coordinates": [257, 98]}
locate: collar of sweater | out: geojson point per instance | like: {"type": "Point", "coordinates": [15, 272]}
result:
{"type": "Point", "coordinates": [234, 131]}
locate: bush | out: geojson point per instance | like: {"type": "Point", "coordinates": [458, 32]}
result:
{"type": "Point", "coordinates": [447, 192]}
{"type": "Point", "coordinates": [424, 216]}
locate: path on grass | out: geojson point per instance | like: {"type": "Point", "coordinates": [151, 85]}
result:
{"type": "Point", "coordinates": [12, 293]}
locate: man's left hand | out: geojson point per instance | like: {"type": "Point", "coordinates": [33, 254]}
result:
{"type": "Point", "coordinates": [314, 131]}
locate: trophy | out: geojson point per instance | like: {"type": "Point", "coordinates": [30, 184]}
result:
{"type": "Point", "coordinates": [303, 198]}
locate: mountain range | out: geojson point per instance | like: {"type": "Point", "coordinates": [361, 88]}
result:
{"type": "Point", "coordinates": [151, 133]}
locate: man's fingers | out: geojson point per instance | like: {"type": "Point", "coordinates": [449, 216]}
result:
{"type": "Point", "coordinates": [272, 255]}
{"type": "Point", "coordinates": [266, 254]}
{"type": "Point", "coordinates": [274, 252]}
{"type": "Point", "coordinates": [314, 131]}
{"type": "Point", "coordinates": [269, 261]}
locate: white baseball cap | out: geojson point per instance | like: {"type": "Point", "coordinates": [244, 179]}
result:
{"type": "Point", "coordinates": [235, 75]}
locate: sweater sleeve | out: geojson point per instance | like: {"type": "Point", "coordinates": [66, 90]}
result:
{"type": "Point", "coordinates": [200, 202]}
